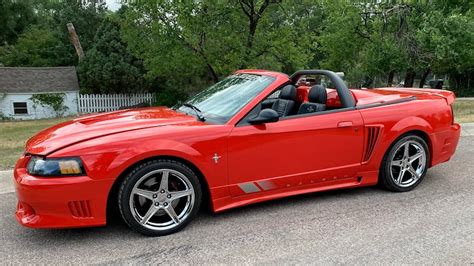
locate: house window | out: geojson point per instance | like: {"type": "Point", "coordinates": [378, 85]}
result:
{"type": "Point", "coordinates": [20, 108]}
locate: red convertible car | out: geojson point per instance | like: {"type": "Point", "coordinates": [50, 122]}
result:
{"type": "Point", "coordinates": [254, 136]}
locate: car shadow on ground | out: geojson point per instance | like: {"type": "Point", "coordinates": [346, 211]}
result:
{"type": "Point", "coordinates": [116, 228]}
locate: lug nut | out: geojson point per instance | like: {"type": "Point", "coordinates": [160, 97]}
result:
{"type": "Point", "coordinates": [162, 191]}
{"type": "Point", "coordinates": [166, 204]}
{"type": "Point", "coordinates": [155, 196]}
{"type": "Point", "coordinates": [157, 204]}
{"type": "Point", "coordinates": [169, 196]}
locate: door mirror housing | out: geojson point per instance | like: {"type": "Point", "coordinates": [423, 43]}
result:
{"type": "Point", "coordinates": [265, 116]}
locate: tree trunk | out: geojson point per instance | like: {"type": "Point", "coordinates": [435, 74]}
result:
{"type": "Point", "coordinates": [254, 14]}
{"type": "Point", "coordinates": [409, 78]}
{"type": "Point", "coordinates": [212, 73]}
{"type": "Point", "coordinates": [390, 78]}
{"type": "Point", "coordinates": [424, 77]}
{"type": "Point", "coordinates": [75, 40]}
{"type": "Point", "coordinates": [251, 36]}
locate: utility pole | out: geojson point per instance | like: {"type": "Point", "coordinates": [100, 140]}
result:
{"type": "Point", "coordinates": [75, 41]}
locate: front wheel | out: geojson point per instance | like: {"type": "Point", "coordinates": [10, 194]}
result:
{"type": "Point", "coordinates": [159, 197]}
{"type": "Point", "coordinates": [405, 164]}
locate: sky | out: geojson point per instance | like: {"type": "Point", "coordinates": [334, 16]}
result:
{"type": "Point", "coordinates": [113, 5]}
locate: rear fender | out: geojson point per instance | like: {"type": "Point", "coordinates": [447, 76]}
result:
{"type": "Point", "coordinates": [408, 124]}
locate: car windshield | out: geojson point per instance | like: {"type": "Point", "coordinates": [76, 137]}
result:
{"type": "Point", "coordinates": [224, 99]}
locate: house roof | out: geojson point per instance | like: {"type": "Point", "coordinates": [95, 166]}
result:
{"type": "Point", "coordinates": [38, 79]}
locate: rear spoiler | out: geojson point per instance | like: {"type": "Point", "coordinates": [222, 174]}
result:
{"type": "Point", "coordinates": [447, 95]}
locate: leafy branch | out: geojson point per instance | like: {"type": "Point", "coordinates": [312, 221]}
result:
{"type": "Point", "coordinates": [53, 100]}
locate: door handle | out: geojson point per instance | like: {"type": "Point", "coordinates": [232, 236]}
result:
{"type": "Point", "coordinates": [344, 124]}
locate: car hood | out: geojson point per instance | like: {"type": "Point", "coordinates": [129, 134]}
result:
{"type": "Point", "coordinates": [98, 125]}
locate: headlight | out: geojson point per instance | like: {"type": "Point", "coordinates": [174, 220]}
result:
{"type": "Point", "coordinates": [55, 166]}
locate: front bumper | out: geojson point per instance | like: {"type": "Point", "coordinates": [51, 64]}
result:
{"type": "Point", "coordinates": [60, 202]}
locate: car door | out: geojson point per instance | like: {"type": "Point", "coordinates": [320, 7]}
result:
{"type": "Point", "coordinates": [296, 152]}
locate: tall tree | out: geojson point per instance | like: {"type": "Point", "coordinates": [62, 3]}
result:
{"type": "Point", "coordinates": [195, 40]}
{"type": "Point", "coordinates": [108, 66]}
{"type": "Point", "coordinates": [15, 17]}
{"type": "Point", "coordinates": [35, 47]}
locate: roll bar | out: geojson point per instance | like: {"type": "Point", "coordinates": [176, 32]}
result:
{"type": "Point", "coordinates": [347, 100]}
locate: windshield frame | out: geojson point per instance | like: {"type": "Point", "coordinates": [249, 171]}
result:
{"type": "Point", "coordinates": [225, 119]}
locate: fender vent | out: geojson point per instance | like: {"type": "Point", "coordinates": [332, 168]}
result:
{"type": "Point", "coordinates": [80, 209]}
{"type": "Point", "coordinates": [371, 137]}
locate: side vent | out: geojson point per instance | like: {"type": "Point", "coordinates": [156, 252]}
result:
{"type": "Point", "coordinates": [80, 209]}
{"type": "Point", "coordinates": [371, 136]}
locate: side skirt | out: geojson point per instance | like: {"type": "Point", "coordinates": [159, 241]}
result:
{"type": "Point", "coordinates": [258, 193]}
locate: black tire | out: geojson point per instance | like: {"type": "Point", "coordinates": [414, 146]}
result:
{"type": "Point", "coordinates": [386, 180]}
{"type": "Point", "coordinates": [134, 176]}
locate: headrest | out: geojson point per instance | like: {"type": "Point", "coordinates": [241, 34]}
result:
{"type": "Point", "coordinates": [288, 93]}
{"type": "Point", "coordinates": [318, 94]}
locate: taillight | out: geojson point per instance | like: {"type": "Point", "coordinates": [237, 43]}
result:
{"type": "Point", "coordinates": [452, 114]}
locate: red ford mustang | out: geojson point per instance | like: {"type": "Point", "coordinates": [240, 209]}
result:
{"type": "Point", "coordinates": [254, 136]}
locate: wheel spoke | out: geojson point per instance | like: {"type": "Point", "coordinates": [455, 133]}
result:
{"type": "Point", "coordinates": [151, 197]}
{"type": "Point", "coordinates": [406, 150]}
{"type": "Point", "coordinates": [413, 172]}
{"type": "Point", "coordinates": [170, 211]}
{"type": "Point", "coordinates": [151, 211]}
{"type": "Point", "coordinates": [144, 193]}
{"type": "Point", "coordinates": [397, 163]}
{"type": "Point", "coordinates": [164, 180]}
{"type": "Point", "coordinates": [400, 176]}
{"type": "Point", "coordinates": [180, 194]}
{"type": "Point", "coordinates": [415, 157]}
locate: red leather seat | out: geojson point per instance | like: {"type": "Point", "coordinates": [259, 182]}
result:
{"type": "Point", "coordinates": [302, 93]}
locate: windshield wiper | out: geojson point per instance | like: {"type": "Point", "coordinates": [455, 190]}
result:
{"type": "Point", "coordinates": [196, 110]}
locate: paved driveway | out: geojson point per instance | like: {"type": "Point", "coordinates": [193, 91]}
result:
{"type": "Point", "coordinates": [432, 224]}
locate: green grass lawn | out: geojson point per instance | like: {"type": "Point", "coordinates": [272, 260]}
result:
{"type": "Point", "coordinates": [464, 111]}
{"type": "Point", "coordinates": [14, 134]}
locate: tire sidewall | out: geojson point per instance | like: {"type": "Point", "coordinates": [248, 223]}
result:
{"type": "Point", "coordinates": [141, 170]}
{"type": "Point", "coordinates": [387, 177]}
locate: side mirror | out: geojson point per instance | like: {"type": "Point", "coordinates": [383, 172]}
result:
{"type": "Point", "coordinates": [265, 116]}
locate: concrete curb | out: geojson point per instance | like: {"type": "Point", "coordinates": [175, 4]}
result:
{"type": "Point", "coordinates": [6, 177]}
{"type": "Point", "coordinates": [465, 99]}
{"type": "Point", "coordinates": [6, 182]}
{"type": "Point", "coordinates": [467, 129]}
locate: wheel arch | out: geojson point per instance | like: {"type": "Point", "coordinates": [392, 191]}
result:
{"type": "Point", "coordinates": [112, 207]}
{"type": "Point", "coordinates": [422, 134]}
{"type": "Point", "coordinates": [417, 132]}
{"type": "Point", "coordinates": [412, 132]}
{"type": "Point", "coordinates": [416, 126]}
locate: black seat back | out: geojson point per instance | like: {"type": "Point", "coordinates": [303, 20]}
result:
{"type": "Point", "coordinates": [317, 97]}
{"type": "Point", "coordinates": [286, 101]}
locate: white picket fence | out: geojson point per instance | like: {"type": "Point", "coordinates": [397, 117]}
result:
{"type": "Point", "coordinates": [94, 103]}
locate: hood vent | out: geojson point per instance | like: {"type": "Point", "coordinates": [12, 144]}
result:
{"type": "Point", "coordinates": [371, 136]}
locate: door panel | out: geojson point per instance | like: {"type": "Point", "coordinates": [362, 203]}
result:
{"type": "Point", "coordinates": [295, 152]}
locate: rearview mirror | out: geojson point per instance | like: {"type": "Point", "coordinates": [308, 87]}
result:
{"type": "Point", "coordinates": [265, 116]}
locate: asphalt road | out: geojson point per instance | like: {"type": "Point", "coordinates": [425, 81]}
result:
{"type": "Point", "coordinates": [432, 224]}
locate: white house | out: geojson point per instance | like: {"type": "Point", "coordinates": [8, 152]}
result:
{"type": "Point", "coordinates": [19, 84]}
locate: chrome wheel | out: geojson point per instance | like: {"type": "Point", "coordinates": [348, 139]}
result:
{"type": "Point", "coordinates": [162, 199]}
{"type": "Point", "coordinates": [408, 163]}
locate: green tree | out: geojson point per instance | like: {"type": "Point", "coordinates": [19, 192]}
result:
{"type": "Point", "coordinates": [15, 17]}
{"type": "Point", "coordinates": [35, 47]}
{"type": "Point", "coordinates": [108, 67]}
{"type": "Point", "coordinates": [86, 16]}
{"type": "Point", "coordinates": [39, 30]}
{"type": "Point", "coordinates": [192, 43]}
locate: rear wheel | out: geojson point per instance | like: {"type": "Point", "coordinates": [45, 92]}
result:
{"type": "Point", "coordinates": [159, 197]}
{"type": "Point", "coordinates": [405, 164]}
